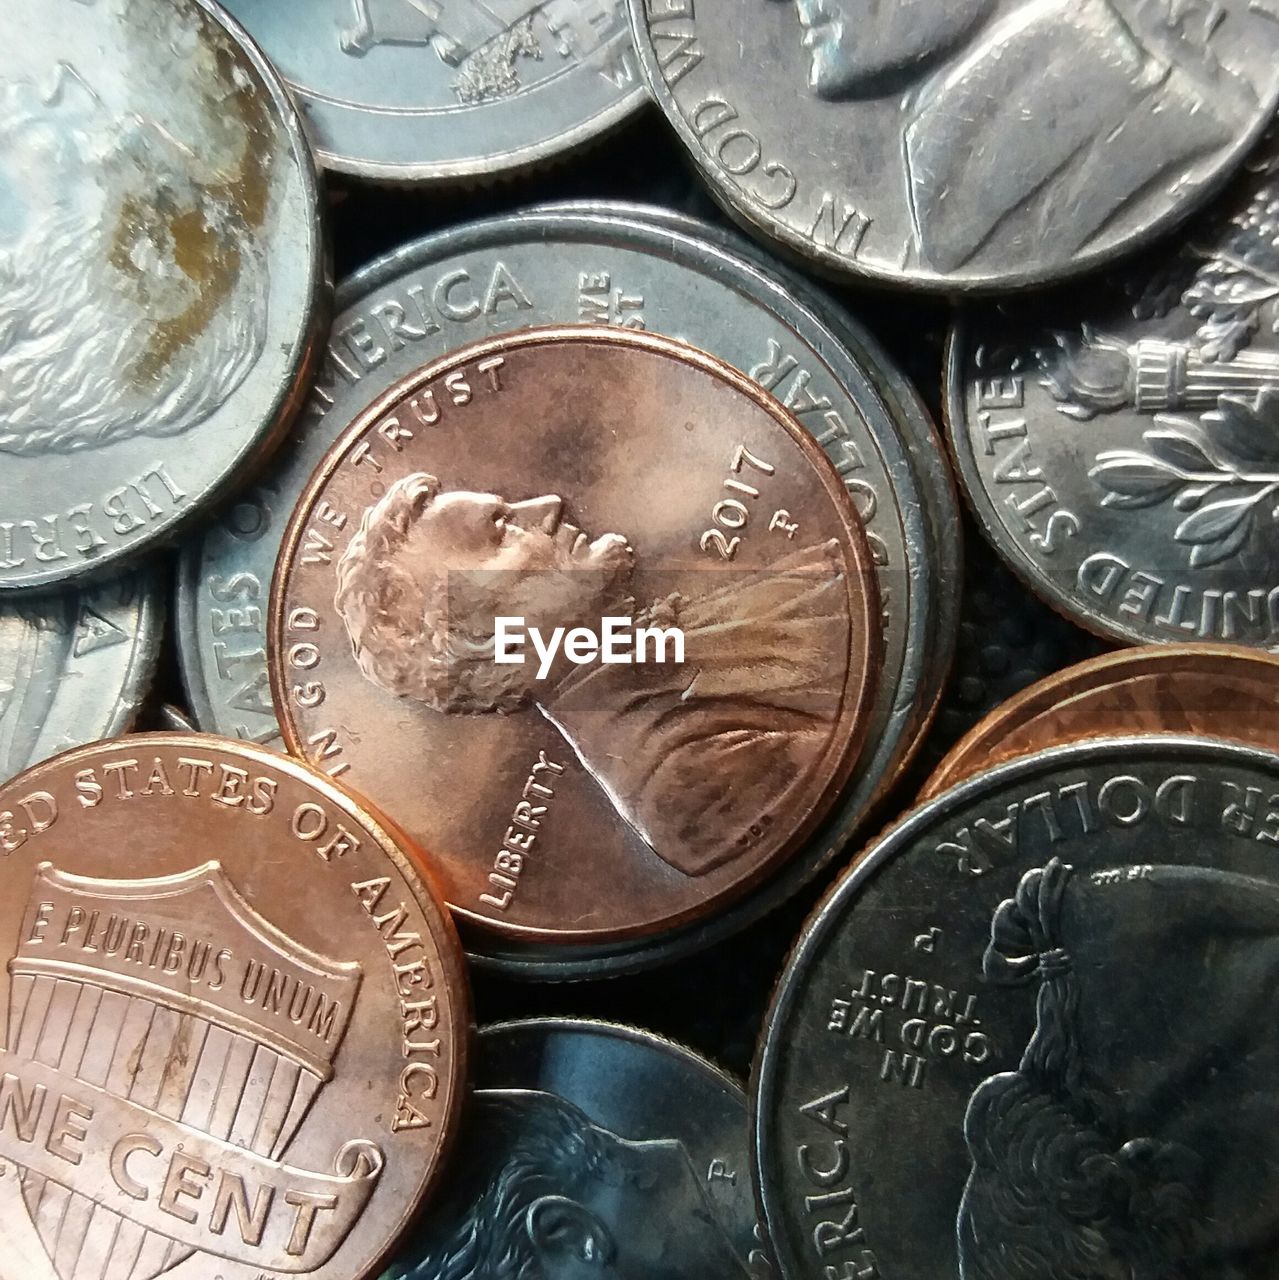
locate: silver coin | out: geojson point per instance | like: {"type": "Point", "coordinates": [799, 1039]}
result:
{"type": "Point", "coordinates": [976, 143]}
{"type": "Point", "coordinates": [592, 1139]}
{"type": "Point", "coordinates": [1122, 452]}
{"type": "Point", "coordinates": [75, 667]}
{"type": "Point", "coordinates": [617, 264]}
{"type": "Point", "coordinates": [160, 265]}
{"type": "Point", "coordinates": [402, 90]}
{"type": "Point", "coordinates": [1030, 1031]}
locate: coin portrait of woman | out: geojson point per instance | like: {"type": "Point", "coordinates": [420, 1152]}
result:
{"type": "Point", "coordinates": [549, 1195]}
{"type": "Point", "coordinates": [1027, 124]}
{"type": "Point", "coordinates": [132, 289]}
{"type": "Point", "coordinates": [686, 753]}
{"type": "Point", "coordinates": [1136, 1138]}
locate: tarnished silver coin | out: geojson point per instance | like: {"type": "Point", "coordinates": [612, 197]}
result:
{"type": "Point", "coordinates": [617, 264]}
{"type": "Point", "coordinates": [422, 91]}
{"type": "Point", "coordinates": [975, 143]}
{"type": "Point", "coordinates": [160, 269]}
{"type": "Point", "coordinates": [589, 1140]}
{"type": "Point", "coordinates": [1122, 452]}
{"type": "Point", "coordinates": [1029, 1035]}
{"type": "Point", "coordinates": [75, 667]}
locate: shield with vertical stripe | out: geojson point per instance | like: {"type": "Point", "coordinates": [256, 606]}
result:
{"type": "Point", "coordinates": [175, 996]}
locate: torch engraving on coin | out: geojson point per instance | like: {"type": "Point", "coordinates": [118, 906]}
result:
{"type": "Point", "coordinates": [554, 1187]}
{"type": "Point", "coordinates": [1136, 438]}
{"type": "Point", "coordinates": [1211, 452]}
{"type": "Point", "coordinates": [133, 281]}
{"type": "Point", "coordinates": [165, 1044]}
{"type": "Point", "coordinates": [685, 754]}
{"type": "Point", "coordinates": [1092, 1109]}
{"type": "Point", "coordinates": [968, 70]}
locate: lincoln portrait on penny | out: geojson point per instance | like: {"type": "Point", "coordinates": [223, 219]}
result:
{"type": "Point", "coordinates": [1029, 126]}
{"type": "Point", "coordinates": [549, 1195]}
{"type": "Point", "coordinates": [687, 753]}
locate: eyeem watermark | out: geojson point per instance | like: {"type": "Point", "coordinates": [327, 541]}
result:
{"type": "Point", "coordinates": [618, 642]}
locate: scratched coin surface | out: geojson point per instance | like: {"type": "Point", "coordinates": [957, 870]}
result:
{"type": "Point", "coordinates": [976, 143]}
{"type": "Point", "coordinates": [1218, 691]}
{"type": "Point", "coordinates": [160, 270]}
{"type": "Point", "coordinates": [236, 1020]}
{"type": "Point", "coordinates": [640, 267]}
{"type": "Point", "coordinates": [1031, 1028]}
{"type": "Point", "coordinates": [75, 666]}
{"type": "Point", "coordinates": [594, 1132]}
{"type": "Point", "coordinates": [555, 478]}
{"type": "Point", "coordinates": [414, 90]}
{"type": "Point", "coordinates": [1120, 450]}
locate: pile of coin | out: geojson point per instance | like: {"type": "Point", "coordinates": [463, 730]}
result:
{"type": "Point", "coordinates": [563, 603]}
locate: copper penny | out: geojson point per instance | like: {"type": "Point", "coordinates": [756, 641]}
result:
{"type": "Point", "coordinates": [562, 476]}
{"type": "Point", "coordinates": [1217, 690]}
{"type": "Point", "coordinates": [237, 1020]}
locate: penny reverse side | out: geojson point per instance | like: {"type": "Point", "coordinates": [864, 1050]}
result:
{"type": "Point", "coordinates": [236, 1020]}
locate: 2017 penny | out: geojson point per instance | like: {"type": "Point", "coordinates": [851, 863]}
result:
{"type": "Point", "coordinates": [556, 478]}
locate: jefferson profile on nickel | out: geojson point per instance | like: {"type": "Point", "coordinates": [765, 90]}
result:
{"type": "Point", "coordinates": [1031, 128]}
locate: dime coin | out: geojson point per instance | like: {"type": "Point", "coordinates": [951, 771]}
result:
{"type": "Point", "coordinates": [75, 667]}
{"type": "Point", "coordinates": [401, 90]}
{"type": "Point", "coordinates": [1030, 1025]}
{"type": "Point", "coordinates": [609, 261]}
{"type": "Point", "coordinates": [237, 1019]}
{"type": "Point", "coordinates": [160, 267]}
{"type": "Point", "coordinates": [641, 793]}
{"type": "Point", "coordinates": [1121, 452]}
{"type": "Point", "coordinates": [985, 143]}
{"type": "Point", "coordinates": [619, 1130]}
{"type": "Point", "coordinates": [1216, 690]}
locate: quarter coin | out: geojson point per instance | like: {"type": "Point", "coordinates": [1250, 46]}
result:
{"type": "Point", "coordinates": [412, 91]}
{"type": "Point", "coordinates": [75, 666]}
{"type": "Point", "coordinates": [1219, 691]}
{"type": "Point", "coordinates": [1028, 1026]}
{"type": "Point", "coordinates": [236, 1020]}
{"type": "Point", "coordinates": [160, 275]}
{"type": "Point", "coordinates": [1119, 447]}
{"type": "Point", "coordinates": [972, 144]}
{"type": "Point", "coordinates": [554, 478]}
{"type": "Point", "coordinates": [616, 1127]}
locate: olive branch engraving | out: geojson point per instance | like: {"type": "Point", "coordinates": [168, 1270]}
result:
{"type": "Point", "coordinates": [1222, 471]}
